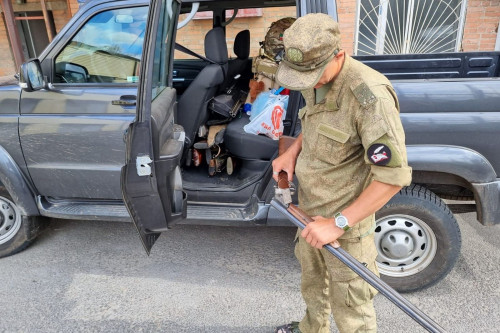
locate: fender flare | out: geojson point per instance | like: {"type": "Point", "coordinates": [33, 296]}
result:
{"type": "Point", "coordinates": [461, 161]}
{"type": "Point", "coordinates": [15, 183]}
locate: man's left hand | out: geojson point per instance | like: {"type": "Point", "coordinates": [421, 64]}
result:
{"type": "Point", "coordinates": [322, 231]}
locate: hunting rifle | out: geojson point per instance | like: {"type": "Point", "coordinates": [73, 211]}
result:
{"type": "Point", "coordinates": [283, 203]}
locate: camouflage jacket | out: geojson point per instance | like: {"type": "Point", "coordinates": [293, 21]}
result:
{"type": "Point", "coordinates": [351, 137]}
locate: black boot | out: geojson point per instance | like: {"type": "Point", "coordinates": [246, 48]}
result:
{"type": "Point", "coordinates": [293, 327]}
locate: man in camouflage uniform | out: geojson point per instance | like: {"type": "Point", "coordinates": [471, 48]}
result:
{"type": "Point", "coordinates": [350, 159]}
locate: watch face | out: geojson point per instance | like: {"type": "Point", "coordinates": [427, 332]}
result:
{"type": "Point", "coordinates": [341, 221]}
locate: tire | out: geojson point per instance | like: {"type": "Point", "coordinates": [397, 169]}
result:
{"type": "Point", "coordinates": [418, 239]}
{"type": "Point", "coordinates": [17, 232]}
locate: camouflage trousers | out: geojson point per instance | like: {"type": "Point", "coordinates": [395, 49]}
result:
{"type": "Point", "coordinates": [328, 286]}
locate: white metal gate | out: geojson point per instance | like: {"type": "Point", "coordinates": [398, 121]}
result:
{"type": "Point", "coordinates": [409, 26]}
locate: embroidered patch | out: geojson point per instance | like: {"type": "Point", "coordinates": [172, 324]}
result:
{"type": "Point", "coordinates": [294, 54]}
{"type": "Point", "coordinates": [379, 154]}
{"type": "Point", "coordinates": [364, 95]}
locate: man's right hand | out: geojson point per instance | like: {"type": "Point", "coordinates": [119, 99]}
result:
{"type": "Point", "coordinates": [286, 161]}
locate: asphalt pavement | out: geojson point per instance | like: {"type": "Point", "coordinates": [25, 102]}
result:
{"type": "Point", "coordinates": [92, 276]}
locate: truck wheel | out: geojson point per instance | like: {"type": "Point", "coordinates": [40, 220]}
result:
{"type": "Point", "coordinates": [16, 231]}
{"type": "Point", "coordinates": [417, 238]}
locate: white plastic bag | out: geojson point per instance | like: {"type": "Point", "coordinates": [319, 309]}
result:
{"type": "Point", "coordinates": [270, 120]}
{"type": "Point", "coordinates": [264, 99]}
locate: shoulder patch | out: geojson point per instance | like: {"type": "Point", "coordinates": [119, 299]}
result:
{"type": "Point", "coordinates": [379, 154]}
{"type": "Point", "coordinates": [363, 94]}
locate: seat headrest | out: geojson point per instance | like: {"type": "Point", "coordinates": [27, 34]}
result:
{"type": "Point", "coordinates": [215, 45]}
{"type": "Point", "coordinates": [242, 44]}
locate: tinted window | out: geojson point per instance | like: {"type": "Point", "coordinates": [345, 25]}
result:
{"type": "Point", "coordinates": [107, 49]}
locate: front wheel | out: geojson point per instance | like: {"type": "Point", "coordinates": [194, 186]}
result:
{"type": "Point", "coordinates": [417, 238]}
{"type": "Point", "coordinates": [16, 231]}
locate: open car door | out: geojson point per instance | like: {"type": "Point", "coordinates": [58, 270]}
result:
{"type": "Point", "coordinates": [151, 179]}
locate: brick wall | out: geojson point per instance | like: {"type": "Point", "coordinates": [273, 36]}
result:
{"type": "Point", "coordinates": [192, 35]}
{"type": "Point", "coordinates": [7, 66]}
{"type": "Point", "coordinates": [481, 25]}
{"type": "Point", "coordinates": [61, 17]}
{"type": "Point", "coordinates": [346, 11]}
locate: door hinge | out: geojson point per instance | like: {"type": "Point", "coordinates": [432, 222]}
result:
{"type": "Point", "coordinates": [143, 165]}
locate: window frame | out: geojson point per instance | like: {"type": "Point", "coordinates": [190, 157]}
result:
{"type": "Point", "coordinates": [49, 60]}
{"type": "Point", "coordinates": [380, 46]}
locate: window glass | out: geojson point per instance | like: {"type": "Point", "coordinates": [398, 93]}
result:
{"type": "Point", "coordinates": [257, 20]}
{"type": "Point", "coordinates": [107, 49]}
{"type": "Point", "coordinates": [192, 35]}
{"type": "Point", "coordinates": [164, 44]}
{"type": "Point", "coordinates": [257, 24]}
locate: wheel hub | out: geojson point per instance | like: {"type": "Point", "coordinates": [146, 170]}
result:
{"type": "Point", "coordinates": [405, 245]}
{"type": "Point", "coordinates": [397, 244]}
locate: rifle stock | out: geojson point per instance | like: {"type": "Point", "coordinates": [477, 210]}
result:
{"type": "Point", "coordinates": [284, 143]}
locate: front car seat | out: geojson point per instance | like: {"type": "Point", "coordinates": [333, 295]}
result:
{"type": "Point", "coordinates": [192, 105]}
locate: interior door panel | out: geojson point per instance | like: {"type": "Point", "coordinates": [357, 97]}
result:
{"type": "Point", "coordinates": [185, 71]}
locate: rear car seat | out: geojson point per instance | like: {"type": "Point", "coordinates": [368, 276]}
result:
{"type": "Point", "coordinates": [260, 147]}
{"type": "Point", "coordinates": [242, 64]}
{"type": "Point", "coordinates": [245, 145]}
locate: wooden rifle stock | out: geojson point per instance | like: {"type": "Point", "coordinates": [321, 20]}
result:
{"type": "Point", "coordinates": [284, 143]}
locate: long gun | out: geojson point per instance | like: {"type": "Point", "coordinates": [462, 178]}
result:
{"type": "Point", "coordinates": [283, 203]}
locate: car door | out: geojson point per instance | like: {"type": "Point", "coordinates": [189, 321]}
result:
{"type": "Point", "coordinates": [151, 179]}
{"type": "Point", "coordinates": [72, 132]}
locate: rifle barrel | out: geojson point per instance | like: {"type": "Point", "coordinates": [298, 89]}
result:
{"type": "Point", "coordinates": [411, 310]}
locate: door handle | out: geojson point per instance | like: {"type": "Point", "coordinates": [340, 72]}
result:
{"type": "Point", "coordinates": [125, 100]}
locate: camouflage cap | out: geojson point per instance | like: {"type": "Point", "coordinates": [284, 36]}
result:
{"type": "Point", "coordinates": [310, 43]}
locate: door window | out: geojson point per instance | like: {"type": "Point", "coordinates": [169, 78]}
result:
{"type": "Point", "coordinates": [107, 49]}
{"type": "Point", "coordinates": [164, 44]}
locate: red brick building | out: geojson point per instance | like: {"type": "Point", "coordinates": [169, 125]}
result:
{"type": "Point", "coordinates": [470, 25]}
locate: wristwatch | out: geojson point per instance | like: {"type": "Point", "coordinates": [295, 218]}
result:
{"type": "Point", "coordinates": [341, 221]}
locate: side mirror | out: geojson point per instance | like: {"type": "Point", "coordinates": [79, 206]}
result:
{"type": "Point", "coordinates": [67, 72]}
{"type": "Point", "coordinates": [30, 76]}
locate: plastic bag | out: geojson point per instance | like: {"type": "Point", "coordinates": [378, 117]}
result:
{"type": "Point", "coordinates": [270, 120]}
{"type": "Point", "coordinates": [264, 99]}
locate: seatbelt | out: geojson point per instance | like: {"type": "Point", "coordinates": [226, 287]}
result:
{"type": "Point", "coordinates": [184, 49]}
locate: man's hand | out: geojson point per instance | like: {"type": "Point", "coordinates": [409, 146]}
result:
{"type": "Point", "coordinates": [286, 161]}
{"type": "Point", "coordinates": [321, 232]}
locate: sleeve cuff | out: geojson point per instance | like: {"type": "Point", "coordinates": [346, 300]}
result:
{"type": "Point", "coordinates": [400, 176]}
